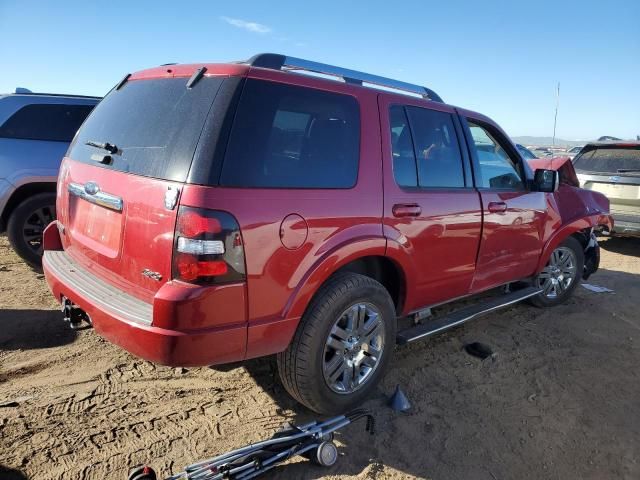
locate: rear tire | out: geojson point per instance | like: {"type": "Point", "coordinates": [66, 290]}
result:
{"type": "Point", "coordinates": [349, 325]}
{"type": "Point", "coordinates": [567, 259]}
{"type": "Point", "coordinates": [26, 224]}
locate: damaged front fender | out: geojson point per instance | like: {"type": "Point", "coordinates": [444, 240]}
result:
{"type": "Point", "coordinates": [578, 212]}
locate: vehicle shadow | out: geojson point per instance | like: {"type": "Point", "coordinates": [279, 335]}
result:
{"type": "Point", "coordinates": [621, 245]}
{"type": "Point", "coordinates": [7, 473]}
{"type": "Point", "coordinates": [33, 329]}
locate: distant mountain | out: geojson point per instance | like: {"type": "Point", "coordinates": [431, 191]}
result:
{"type": "Point", "coordinates": [547, 141]}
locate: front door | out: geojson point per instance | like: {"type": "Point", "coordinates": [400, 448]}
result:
{"type": "Point", "coordinates": [431, 210]}
{"type": "Point", "coordinates": [513, 215]}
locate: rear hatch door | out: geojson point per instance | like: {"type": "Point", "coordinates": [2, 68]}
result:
{"type": "Point", "coordinates": [120, 183]}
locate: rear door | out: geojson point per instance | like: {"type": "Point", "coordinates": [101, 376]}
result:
{"type": "Point", "coordinates": [513, 216]}
{"type": "Point", "coordinates": [117, 202]}
{"type": "Point", "coordinates": [613, 170]}
{"type": "Point", "coordinates": [430, 205]}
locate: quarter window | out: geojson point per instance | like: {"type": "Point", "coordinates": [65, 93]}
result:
{"type": "Point", "coordinates": [497, 169]}
{"type": "Point", "coordinates": [292, 137]}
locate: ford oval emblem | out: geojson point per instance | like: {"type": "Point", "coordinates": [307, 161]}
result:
{"type": "Point", "coordinates": [91, 188]}
{"type": "Point", "coordinates": [614, 179]}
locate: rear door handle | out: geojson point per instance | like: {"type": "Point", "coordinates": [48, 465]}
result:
{"type": "Point", "coordinates": [497, 207]}
{"type": "Point", "coordinates": [406, 210]}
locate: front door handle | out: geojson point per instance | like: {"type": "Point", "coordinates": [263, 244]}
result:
{"type": "Point", "coordinates": [497, 207]}
{"type": "Point", "coordinates": [406, 210]}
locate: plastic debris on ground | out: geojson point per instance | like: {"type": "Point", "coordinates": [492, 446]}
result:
{"type": "Point", "coordinates": [596, 288]}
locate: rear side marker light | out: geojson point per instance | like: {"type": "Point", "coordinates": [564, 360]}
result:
{"type": "Point", "coordinates": [200, 247]}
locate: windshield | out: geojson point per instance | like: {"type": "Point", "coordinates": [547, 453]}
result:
{"type": "Point", "coordinates": [610, 160]}
{"type": "Point", "coordinates": [150, 127]}
{"type": "Point", "coordinates": [525, 152]}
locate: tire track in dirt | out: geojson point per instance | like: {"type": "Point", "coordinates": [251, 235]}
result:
{"type": "Point", "coordinates": [123, 417]}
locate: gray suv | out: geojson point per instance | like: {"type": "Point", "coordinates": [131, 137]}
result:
{"type": "Point", "coordinates": [35, 131]}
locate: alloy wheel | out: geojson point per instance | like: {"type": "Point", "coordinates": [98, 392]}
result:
{"type": "Point", "coordinates": [354, 348]}
{"type": "Point", "coordinates": [34, 226]}
{"type": "Point", "coordinates": [559, 274]}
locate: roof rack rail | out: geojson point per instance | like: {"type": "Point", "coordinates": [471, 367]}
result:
{"type": "Point", "coordinates": [44, 94]}
{"type": "Point", "coordinates": [276, 61]}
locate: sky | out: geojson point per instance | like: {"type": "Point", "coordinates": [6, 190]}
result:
{"type": "Point", "coordinates": [503, 59]}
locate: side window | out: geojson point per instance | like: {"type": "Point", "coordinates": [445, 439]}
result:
{"type": "Point", "coordinates": [497, 169]}
{"type": "Point", "coordinates": [49, 122]}
{"type": "Point", "coordinates": [404, 160]}
{"type": "Point", "coordinates": [437, 151]}
{"type": "Point", "coordinates": [292, 137]}
{"type": "Point", "coordinates": [425, 148]}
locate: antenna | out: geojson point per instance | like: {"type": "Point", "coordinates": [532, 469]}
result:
{"type": "Point", "coordinates": [555, 118]}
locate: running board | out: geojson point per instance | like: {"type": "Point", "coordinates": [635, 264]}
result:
{"type": "Point", "coordinates": [463, 315]}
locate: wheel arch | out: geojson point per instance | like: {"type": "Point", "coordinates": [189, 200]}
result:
{"type": "Point", "coordinates": [22, 193]}
{"type": "Point", "coordinates": [579, 228]}
{"type": "Point", "coordinates": [366, 257]}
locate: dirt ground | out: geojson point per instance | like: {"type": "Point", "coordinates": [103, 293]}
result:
{"type": "Point", "coordinates": [559, 400]}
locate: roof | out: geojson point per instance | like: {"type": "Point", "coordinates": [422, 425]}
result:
{"type": "Point", "coordinates": [619, 144]}
{"type": "Point", "coordinates": [286, 65]}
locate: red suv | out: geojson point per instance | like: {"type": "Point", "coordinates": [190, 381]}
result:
{"type": "Point", "coordinates": [219, 212]}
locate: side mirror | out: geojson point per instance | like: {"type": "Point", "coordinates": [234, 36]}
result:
{"type": "Point", "coordinates": [546, 180]}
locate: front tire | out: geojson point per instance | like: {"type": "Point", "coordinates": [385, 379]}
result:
{"type": "Point", "coordinates": [559, 278]}
{"type": "Point", "coordinates": [26, 224]}
{"type": "Point", "coordinates": [342, 346]}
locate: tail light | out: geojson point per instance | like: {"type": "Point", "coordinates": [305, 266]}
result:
{"type": "Point", "coordinates": [208, 248]}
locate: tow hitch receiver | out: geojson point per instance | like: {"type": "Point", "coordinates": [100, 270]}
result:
{"type": "Point", "coordinates": [73, 314]}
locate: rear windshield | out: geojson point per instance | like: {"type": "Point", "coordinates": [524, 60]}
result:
{"type": "Point", "coordinates": [609, 160]}
{"type": "Point", "coordinates": [155, 124]}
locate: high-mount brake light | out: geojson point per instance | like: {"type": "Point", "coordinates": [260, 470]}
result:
{"type": "Point", "coordinates": [208, 247]}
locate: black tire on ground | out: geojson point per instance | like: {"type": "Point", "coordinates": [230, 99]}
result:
{"type": "Point", "coordinates": [541, 300]}
{"type": "Point", "coordinates": [301, 365]}
{"type": "Point", "coordinates": [26, 224]}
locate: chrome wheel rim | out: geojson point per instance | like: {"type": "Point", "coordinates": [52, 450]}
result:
{"type": "Point", "coordinates": [559, 274]}
{"type": "Point", "coordinates": [34, 226]}
{"type": "Point", "coordinates": [353, 350]}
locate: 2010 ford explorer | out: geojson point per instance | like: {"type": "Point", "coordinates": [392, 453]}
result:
{"type": "Point", "coordinates": [213, 213]}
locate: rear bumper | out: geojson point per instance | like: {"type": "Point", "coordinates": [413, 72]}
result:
{"type": "Point", "coordinates": [135, 325]}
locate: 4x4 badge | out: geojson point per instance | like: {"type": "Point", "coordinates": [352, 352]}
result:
{"type": "Point", "coordinates": [171, 197]}
{"type": "Point", "coordinates": [151, 274]}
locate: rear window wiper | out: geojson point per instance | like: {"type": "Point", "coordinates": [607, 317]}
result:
{"type": "Point", "coordinates": [109, 147]}
{"type": "Point", "coordinates": [629, 170]}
